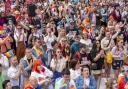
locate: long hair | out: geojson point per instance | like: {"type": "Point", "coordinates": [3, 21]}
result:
{"type": "Point", "coordinates": [36, 64]}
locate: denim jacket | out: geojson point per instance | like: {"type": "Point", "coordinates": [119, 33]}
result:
{"type": "Point", "coordinates": [79, 82]}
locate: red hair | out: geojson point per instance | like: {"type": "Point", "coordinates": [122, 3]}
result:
{"type": "Point", "coordinates": [36, 64]}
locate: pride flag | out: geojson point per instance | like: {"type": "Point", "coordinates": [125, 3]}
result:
{"type": "Point", "coordinates": [9, 54]}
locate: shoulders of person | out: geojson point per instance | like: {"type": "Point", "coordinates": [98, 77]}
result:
{"type": "Point", "coordinates": [91, 77]}
{"type": "Point", "coordinates": [104, 39]}
{"type": "Point", "coordinates": [114, 48]}
{"type": "Point", "coordinates": [11, 70]}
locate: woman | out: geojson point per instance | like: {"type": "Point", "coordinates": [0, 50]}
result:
{"type": "Point", "coordinates": [62, 34]}
{"type": "Point", "coordinates": [85, 40]}
{"type": "Point", "coordinates": [41, 73]}
{"type": "Point", "coordinates": [118, 57]}
{"type": "Point", "coordinates": [48, 40]}
{"type": "Point", "coordinates": [64, 46]}
{"type": "Point", "coordinates": [97, 57]}
{"type": "Point", "coordinates": [58, 63]}
{"type": "Point", "coordinates": [86, 80]}
{"type": "Point", "coordinates": [19, 37]}
{"type": "Point", "coordinates": [74, 69]}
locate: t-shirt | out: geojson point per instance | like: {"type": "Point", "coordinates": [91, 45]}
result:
{"type": "Point", "coordinates": [12, 71]}
{"type": "Point", "coordinates": [83, 58]}
{"type": "Point", "coordinates": [2, 78]}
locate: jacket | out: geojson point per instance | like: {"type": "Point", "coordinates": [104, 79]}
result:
{"type": "Point", "coordinates": [79, 82]}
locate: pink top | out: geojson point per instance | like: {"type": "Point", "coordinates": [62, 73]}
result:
{"type": "Point", "coordinates": [29, 1]}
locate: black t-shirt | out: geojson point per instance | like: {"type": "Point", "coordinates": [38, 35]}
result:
{"type": "Point", "coordinates": [84, 57]}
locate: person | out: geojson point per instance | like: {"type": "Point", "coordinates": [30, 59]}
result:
{"type": "Point", "coordinates": [5, 64]}
{"type": "Point", "coordinates": [87, 41]}
{"type": "Point", "coordinates": [37, 50]}
{"type": "Point", "coordinates": [97, 59]}
{"type": "Point", "coordinates": [123, 78]}
{"type": "Point", "coordinates": [65, 82]}
{"type": "Point", "coordinates": [48, 40]}
{"type": "Point", "coordinates": [27, 61]}
{"type": "Point", "coordinates": [86, 80]}
{"type": "Point", "coordinates": [16, 74]}
{"type": "Point", "coordinates": [41, 73]}
{"type": "Point", "coordinates": [6, 84]}
{"type": "Point", "coordinates": [74, 69]}
{"type": "Point", "coordinates": [84, 55]}
{"type": "Point", "coordinates": [75, 47]}
{"type": "Point", "coordinates": [58, 63]}
{"type": "Point", "coordinates": [2, 77]}
{"type": "Point", "coordinates": [19, 37]}
{"type": "Point", "coordinates": [118, 57]}
{"type": "Point", "coordinates": [106, 44]}
{"type": "Point", "coordinates": [32, 84]}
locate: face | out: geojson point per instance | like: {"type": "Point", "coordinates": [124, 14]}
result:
{"type": "Point", "coordinates": [85, 72]}
{"type": "Point", "coordinates": [63, 41]}
{"type": "Point", "coordinates": [14, 61]}
{"type": "Point", "coordinates": [58, 52]}
{"type": "Point", "coordinates": [38, 43]}
{"type": "Point", "coordinates": [85, 35]}
{"type": "Point", "coordinates": [28, 53]}
{"type": "Point", "coordinates": [83, 49]}
{"type": "Point", "coordinates": [120, 43]}
{"type": "Point", "coordinates": [108, 34]}
{"type": "Point", "coordinates": [8, 86]}
{"type": "Point", "coordinates": [98, 44]}
{"type": "Point", "coordinates": [39, 67]}
{"type": "Point", "coordinates": [66, 77]}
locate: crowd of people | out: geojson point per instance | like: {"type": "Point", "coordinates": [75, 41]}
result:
{"type": "Point", "coordinates": [63, 44]}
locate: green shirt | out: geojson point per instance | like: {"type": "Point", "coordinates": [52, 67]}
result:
{"type": "Point", "coordinates": [2, 78]}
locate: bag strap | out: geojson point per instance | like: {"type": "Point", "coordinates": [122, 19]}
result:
{"type": "Point", "coordinates": [109, 42]}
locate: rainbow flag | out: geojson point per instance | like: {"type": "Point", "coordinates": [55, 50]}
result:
{"type": "Point", "coordinates": [9, 54]}
{"type": "Point", "coordinates": [60, 84]}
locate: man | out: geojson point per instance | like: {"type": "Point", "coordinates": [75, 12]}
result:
{"type": "Point", "coordinates": [16, 74]}
{"type": "Point", "coordinates": [65, 82]}
{"type": "Point", "coordinates": [108, 41]}
{"type": "Point", "coordinates": [27, 60]}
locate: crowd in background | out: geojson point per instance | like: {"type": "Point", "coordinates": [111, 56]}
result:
{"type": "Point", "coordinates": [63, 44]}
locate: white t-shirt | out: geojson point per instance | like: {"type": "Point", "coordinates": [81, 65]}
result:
{"type": "Point", "coordinates": [49, 40]}
{"type": "Point", "coordinates": [59, 64]}
{"type": "Point", "coordinates": [87, 82]}
{"type": "Point", "coordinates": [12, 71]}
{"type": "Point", "coordinates": [74, 74]}
{"type": "Point", "coordinates": [4, 61]}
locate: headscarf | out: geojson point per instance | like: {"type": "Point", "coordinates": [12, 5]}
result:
{"type": "Point", "coordinates": [36, 64]}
